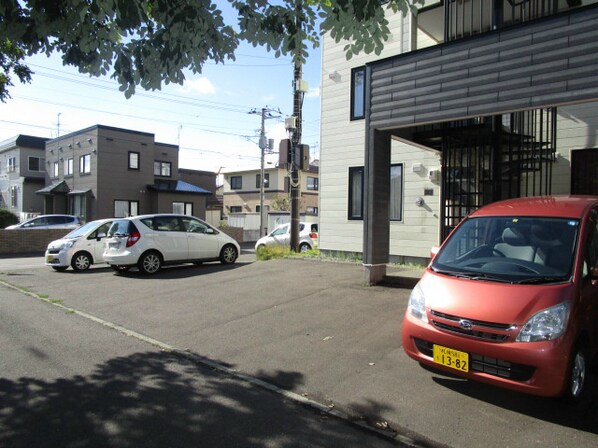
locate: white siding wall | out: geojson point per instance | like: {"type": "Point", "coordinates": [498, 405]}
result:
{"type": "Point", "coordinates": [343, 146]}
{"type": "Point", "coordinates": [577, 128]}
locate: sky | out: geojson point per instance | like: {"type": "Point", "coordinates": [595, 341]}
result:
{"type": "Point", "coordinates": [209, 117]}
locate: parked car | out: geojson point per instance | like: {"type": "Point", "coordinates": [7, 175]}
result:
{"type": "Point", "coordinates": [281, 236]}
{"type": "Point", "coordinates": [511, 297]}
{"type": "Point", "coordinates": [150, 241]}
{"type": "Point", "coordinates": [48, 222]}
{"type": "Point", "coordinates": [80, 248]}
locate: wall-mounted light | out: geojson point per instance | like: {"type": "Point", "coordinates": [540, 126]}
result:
{"type": "Point", "coordinates": [60, 148]}
{"type": "Point", "coordinates": [78, 143]}
{"type": "Point", "coordinates": [51, 151]}
{"type": "Point", "coordinates": [70, 146]}
{"type": "Point", "coordinates": [419, 202]}
{"type": "Point", "coordinates": [89, 141]}
{"type": "Point", "coordinates": [334, 75]}
{"type": "Point", "coordinates": [94, 150]}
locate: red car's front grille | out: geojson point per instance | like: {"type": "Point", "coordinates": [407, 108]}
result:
{"type": "Point", "coordinates": [488, 331]}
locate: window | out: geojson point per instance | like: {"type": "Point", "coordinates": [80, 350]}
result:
{"type": "Point", "coordinates": [13, 196]}
{"type": "Point", "coordinates": [122, 209]}
{"type": "Point", "coordinates": [68, 167]}
{"type": "Point", "coordinates": [85, 164]}
{"type": "Point", "coordinates": [356, 189]}
{"type": "Point", "coordinates": [312, 210]}
{"type": "Point", "coordinates": [258, 208]}
{"type": "Point", "coordinates": [396, 192]}
{"type": "Point", "coordinates": [162, 168]}
{"type": "Point", "coordinates": [236, 209]}
{"type": "Point", "coordinates": [56, 171]}
{"type": "Point", "coordinates": [312, 183]}
{"type": "Point", "coordinates": [358, 93]}
{"type": "Point", "coordinates": [266, 180]}
{"type": "Point", "coordinates": [182, 208]}
{"type": "Point", "coordinates": [236, 182]}
{"type": "Point", "coordinates": [356, 192]}
{"type": "Point", "coordinates": [12, 165]}
{"type": "Point", "coordinates": [36, 163]}
{"type": "Point", "coordinates": [133, 160]}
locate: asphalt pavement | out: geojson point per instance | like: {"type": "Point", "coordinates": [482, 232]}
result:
{"type": "Point", "coordinates": [312, 330]}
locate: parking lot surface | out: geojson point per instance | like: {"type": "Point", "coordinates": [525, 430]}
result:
{"type": "Point", "coordinates": [313, 328]}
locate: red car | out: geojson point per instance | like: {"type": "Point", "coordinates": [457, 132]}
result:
{"type": "Point", "coordinates": [511, 297]}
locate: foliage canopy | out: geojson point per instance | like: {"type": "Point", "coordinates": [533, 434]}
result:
{"type": "Point", "coordinates": [148, 43]}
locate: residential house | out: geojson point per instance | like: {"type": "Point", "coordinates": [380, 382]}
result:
{"type": "Point", "coordinates": [242, 191]}
{"type": "Point", "coordinates": [470, 102]}
{"type": "Point", "coordinates": [22, 173]}
{"type": "Point", "coordinates": [104, 171]}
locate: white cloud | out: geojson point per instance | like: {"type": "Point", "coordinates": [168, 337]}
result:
{"type": "Point", "coordinates": [201, 85]}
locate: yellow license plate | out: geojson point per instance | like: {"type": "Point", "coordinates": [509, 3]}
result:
{"type": "Point", "coordinates": [452, 358]}
{"type": "Point", "coordinates": [50, 259]}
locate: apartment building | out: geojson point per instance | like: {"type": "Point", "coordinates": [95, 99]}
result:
{"type": "Point", "coordinates": [104, 171]}
{"type": "Point", "coordinates": [471, 101]}
{"type": "Point", "coordinates": [22, 173]}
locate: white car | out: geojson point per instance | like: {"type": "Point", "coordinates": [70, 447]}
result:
{"type": "Point", "coordinates": [48, 222]}
{"type": "Point", "coordinates": [150, 241]}
{"type": "Point", "coordinates": [281, 236]}
{"type": "Point", "coordinates": [79, 249]}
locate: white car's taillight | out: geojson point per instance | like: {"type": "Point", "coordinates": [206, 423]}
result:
{"type": "Point", "coordinates": [133, 238]}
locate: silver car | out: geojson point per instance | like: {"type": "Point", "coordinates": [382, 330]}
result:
{"type": "Point", "coordinates": [48, 222]}
{"type": "Point", "coordinates": [150, 241]}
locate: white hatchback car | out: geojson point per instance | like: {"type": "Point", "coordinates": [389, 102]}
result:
{"type": "Point", "coordinates": [79, 249]}
{"type": "Point", "coordinates": [281, 236]}
{"type": "Point", "coordinates": [150, 241]}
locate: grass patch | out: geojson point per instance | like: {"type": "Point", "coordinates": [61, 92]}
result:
{"type": "Point", "coordinates": [59, 301]}
{"type": "Point", "coordinates": [277, 252]}
{"type": "Point", "coordinates": [272, 253]}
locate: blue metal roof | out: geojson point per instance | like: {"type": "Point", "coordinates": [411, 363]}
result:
{"type": "Point", "coordinates": [178, 186]}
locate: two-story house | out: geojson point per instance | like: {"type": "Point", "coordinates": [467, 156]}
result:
{"type": "Point", "coordinates": [22, 173]}
{"type": "Point", "coordinates": [242, 190]}
{"type": "Point", "coordinates": [471, 101]}
{"type": "Point", "coordinates": [104, 171]}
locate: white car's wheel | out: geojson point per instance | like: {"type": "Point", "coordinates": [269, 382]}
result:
{"type": "Point", "coordinates": [81, 261]}
{"type": "Point", "coordinates": [228, 254]}
{"type": "Point", "coordinates": [150, 263]}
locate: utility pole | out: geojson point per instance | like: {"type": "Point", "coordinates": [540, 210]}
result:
{"type": "Point", "coordinates": [296, 135]}
{"type": "Point", "coordinates": [263, 144]}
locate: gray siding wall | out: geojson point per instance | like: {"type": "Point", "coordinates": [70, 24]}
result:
{"type": "Point", "coordinates": [543, 63]}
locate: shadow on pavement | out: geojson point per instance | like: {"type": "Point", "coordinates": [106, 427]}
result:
{"type": "Point", "coordinates": [582, 417]}
{"type": "Point", "coordinates": [158, 399]}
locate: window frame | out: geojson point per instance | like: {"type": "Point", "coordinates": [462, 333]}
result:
{"type": "Point", "coordinates": [40, 164]}
{"type": "Point", "coordinates": [56, 169]}
{"type": "Point", "coordinates": [85, 164]}
{"type": "Point", "coordinates": [187, 208]}
{"type": "Point", "coordinates": [266, 180]}
{"type": "Point", "coordinates": [232, 182]}
{"type": "Point", "coordinates": [68, 167]}
{"type": "Point", "coordinates": [159, 168]}
{"type": "Point", "coordinates": [401, 192]}
{"type": "Point", "coordinates": [11, 165]}
{"type": "Point", "coordinates": [132, 207]}
{"type": "Point", "coordinates": [355, 215]}
{"type": "Point", "coordinates": [354, 115]}
{"type": "Point", "coordinates": [137, 160]}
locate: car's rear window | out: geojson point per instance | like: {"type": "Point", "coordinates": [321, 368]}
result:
{"type": "Point", "coordinates": [121, 227]}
